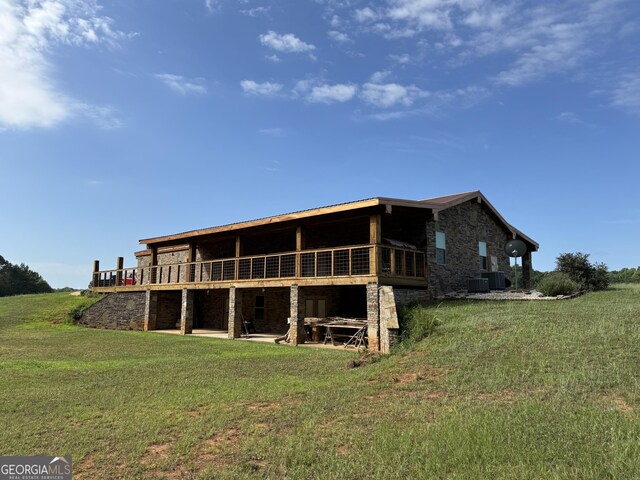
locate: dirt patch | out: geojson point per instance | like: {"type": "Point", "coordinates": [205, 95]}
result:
{"type": "Point", "coordinates": [218, 450]}
{"type": "Point", "coordinates": [433, 395]}
{"type": "Point", "coordinates": [622, 405]}
{"type": "Point", "coordinates": [406, 378]}
{"type": "Point", "coordinates": [156, 453]}
{"type": "Point", "coordinates": [490, 327]}
{"type": "Point", "coordinates": [84, 467]}
{"type": "Point", "coordinates": [343, 450]}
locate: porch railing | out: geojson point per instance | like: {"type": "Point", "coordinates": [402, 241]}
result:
{"type": "Point", "coordinates": [358, 260]}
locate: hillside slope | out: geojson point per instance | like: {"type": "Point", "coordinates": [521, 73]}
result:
{"type": "Point", "coordinates": [502, 390]}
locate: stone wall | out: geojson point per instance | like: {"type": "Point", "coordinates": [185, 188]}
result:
{"type": "Point", "coordinates": [116, 311]}
{"type": "Point", "coordinates": [408, 296]}
{"type": "Point", "coordinates": [169, 309]}
{"type": "Point", "coordinates": [464, 226]}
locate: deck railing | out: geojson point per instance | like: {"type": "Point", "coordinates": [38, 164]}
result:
{"type": "Point", "coordinates": [358, 260]}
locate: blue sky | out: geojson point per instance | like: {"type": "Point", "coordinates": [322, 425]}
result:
{"type": "Point", "coordinates": [122, 120]}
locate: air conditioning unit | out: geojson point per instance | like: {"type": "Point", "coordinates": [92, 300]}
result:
{"type": "Point", "coordinates": [496, 280]}
{"type": "Point", "coordinates": [477, 285]}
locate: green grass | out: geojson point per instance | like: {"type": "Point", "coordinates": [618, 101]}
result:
{"type": "Point", "coordinates": [499, 390]}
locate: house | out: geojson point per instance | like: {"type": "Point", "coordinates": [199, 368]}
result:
{"type": "Point", "coordinates": [360, 259]}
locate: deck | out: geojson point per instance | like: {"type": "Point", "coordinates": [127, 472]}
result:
{"type": "Point", "coordinates": [349, 265]}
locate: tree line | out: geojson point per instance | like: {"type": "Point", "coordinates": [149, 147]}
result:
{"type": "Point", "coordinates": [20, 279]}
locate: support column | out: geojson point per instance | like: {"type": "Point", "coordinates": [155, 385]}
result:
{"type": "Point", "coordinates": [296, 329]}
{"type": "Point", "coordinates": [150, 310]}
{"type": "Point", "coordinates": [235, 313]}
{"type": "Point", "coordinates": [375, 238]}
{"type": "Point", "coordinates": [186, 315]}
{"type": "Point", "coordinates": [527, 271]}
{"type": "Point", "coordinates": [373, 316]}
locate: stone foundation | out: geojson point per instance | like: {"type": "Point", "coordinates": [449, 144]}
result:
{"type": "Point", "coordinates": [116, 311]}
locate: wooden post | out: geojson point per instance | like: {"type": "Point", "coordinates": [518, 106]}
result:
{"type": "Point", "coordinates": [119, 267]}
{"type": "Point", "coordinates": [375, 238]}
{"type": "Point", "coordinates": [153, 262]}
{"type": "Point", "coordinates": [238, 255]}
{"type": "Point", "coordinates": [191, 269]}
{"type": "Point", "coordinates": [300, 244]}
{"type": "Point", "coordinates": [96, 275]}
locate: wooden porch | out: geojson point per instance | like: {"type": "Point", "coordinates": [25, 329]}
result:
{"type": "Point", "coordinates": [348, 265]}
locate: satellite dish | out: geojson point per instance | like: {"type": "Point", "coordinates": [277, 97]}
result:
{"type": "Point", "coordinates": [515, 248]}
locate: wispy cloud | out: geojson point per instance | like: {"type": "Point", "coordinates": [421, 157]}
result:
{"type": "Point", "coordinates": [212, 5]}
{"type": "Point", "coordinates": [264, 89]}
{"type": "Point", "coordinates": [626, 92]}
{"type": "Point", "coordinates": [182, 85]}
{"type": "Point", "coordinates": [272, 132]}
{"type": "Point", "coordinates": [287, 42]}
{"type": "Point", "coordinates": [29, 32]}
{"type": "Point", "coordinates": [339, 37]}
{"type": "Point", "coordinates": [256, 11]}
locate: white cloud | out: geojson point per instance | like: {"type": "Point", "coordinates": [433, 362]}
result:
{"type": "Point", "coordinates": [287, 42]}
{"type": "Point", "coordinates": [29, 32]}
{"type": "Point", "coordinates": [332, 93]}
{"type": "Point", "coordinates": [182, 85]}
{"type": "Point", "coordinates": [364, 15]}
{"type": "Point", "coordinates": [401, 59]}
{"type": "Point", "coordinates": [273, 58]}
{"type": "Point", "coordinates": [390, 94]}
{"type": "Point", "coordinates": [626, 93]}
{"type": "Point", "coordinates": [265, 89]}
{"type": "Point", "coordinates": [423, 13]}
{"type": "Point", "coordinates": [339, 37]}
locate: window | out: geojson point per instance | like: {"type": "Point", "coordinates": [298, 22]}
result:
{"type": "Point", "coordinates": [482, 247]}
{"type": "Point", "coordinates": [315, 307]}
{"type": "Point", "coordinates": [259, 310]}
{"type": "Point", "coordinates": [441, 248]}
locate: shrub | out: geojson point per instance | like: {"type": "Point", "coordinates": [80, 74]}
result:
{"type": "Point", "coordinates": [416, 323]}
{"type": "Point", "coordinates": [558, 283]}
{"type": "Point", "coordinates": [578, 267]}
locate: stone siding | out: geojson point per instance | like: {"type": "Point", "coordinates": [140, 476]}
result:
{"type": "Point", "coordinates": [464, 226]}
{"type": "Point", "coordinates": [116, 311]}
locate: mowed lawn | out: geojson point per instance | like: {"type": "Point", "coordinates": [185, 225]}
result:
{"type": "Point", "coordinates": [501, 390]}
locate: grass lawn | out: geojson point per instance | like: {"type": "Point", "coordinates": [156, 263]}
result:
{"type": "Point", "coordinates": [501, 390]}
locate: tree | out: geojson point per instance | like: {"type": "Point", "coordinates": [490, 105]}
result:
{"type": "Point", "coordinates": [20, 279]}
